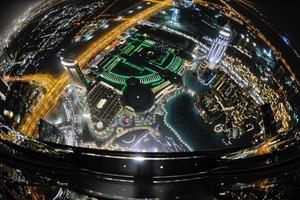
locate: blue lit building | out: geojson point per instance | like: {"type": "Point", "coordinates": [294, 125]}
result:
{"type": "Point", "coordinates": [175, 15]}
{"type": "Point", "coordinates": [206, 69]}
{"type": "Point", "coordinates": [219, 46]}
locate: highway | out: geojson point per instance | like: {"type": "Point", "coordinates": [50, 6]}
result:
{"type": "Point", "coordinates": [29, 126]}
{"type": "Point", "coordinates": [45, 80]}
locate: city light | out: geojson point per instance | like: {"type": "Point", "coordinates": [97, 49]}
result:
{"type": "Point", "coordinates": [146, 91]}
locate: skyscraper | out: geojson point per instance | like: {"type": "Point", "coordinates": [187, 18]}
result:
{"type": "Point", "coordinates": [3, 89]}
{"type": "Point", "coordinates": [207, 67]}
{"type": "Point", "coordinates": [8, 56]}
{"type": "Point", "coordinates": [75, 72]}
{"type": "Point", "coordinates": [175, 15]}
{"type": "Point", "coordinates": [219, 46]}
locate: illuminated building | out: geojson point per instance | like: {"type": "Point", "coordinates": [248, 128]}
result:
{"type": "Point", "coordinates": [3, 89]}
{"type": "Point", "coordinates": [162, 88]}
{"type": "Point", "coordinates": [207, 66]}
{"type": "Point", "coordinates": [219, 47]}
{"type": "Point", "coordinates": [49, 132]}
{"type": "Point", "coordinates": [75, 72]}
{"type": "Point", "coordinates": [7, 56]}
{"type": "Point", "coordinates": [175, 15]}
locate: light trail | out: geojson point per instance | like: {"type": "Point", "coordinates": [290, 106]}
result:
{"type": "Point", "coordinates": [45, 80]}
{"type": "Point", "coordinates": [269, 145]}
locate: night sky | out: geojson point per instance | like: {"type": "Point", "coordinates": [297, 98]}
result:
{"type": "Point", "coordinates": [285, 14]}
{"type": "Point", "coordinates": [10, 9]}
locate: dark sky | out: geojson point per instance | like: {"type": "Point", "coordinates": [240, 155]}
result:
{"type": "Point", "coordinates": [286, 14]}
{"type": "Point", "coordinates": [10, 9]}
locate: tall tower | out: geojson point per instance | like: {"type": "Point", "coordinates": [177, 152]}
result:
{"type": "Point", "coordinates": [75, 72]}
{"type": "Point", "coordinates": [219, 47]}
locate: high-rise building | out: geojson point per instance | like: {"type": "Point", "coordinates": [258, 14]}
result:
{"type": "Point", "coordinates": [205, 76]}
{"type": "Point", "coordinates": [4, 88]}
{"type": "Point", "coordinates": [219, 46]}
{"type": "Point", "coordinates": [50, 133]}
{"type": "Point", "coordinates": [8, 56]}
{"type": "Point", "coordinates": [207, 66]}
{"type": "Point", "coordinates": [75, 72]}
{"type": "Point", "coordinates": [175, 15]}
{"type": "Point", "coordinates": [4, 113]}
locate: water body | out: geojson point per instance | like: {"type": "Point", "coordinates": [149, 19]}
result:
{"type": "Point", "coordinates": [191, 82]}
{"type": "Point", "coordinates": [192, 129]}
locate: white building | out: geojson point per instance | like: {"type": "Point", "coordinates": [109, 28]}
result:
{"type": "Point", "coordinates": [75, 72]}
{"type": "Point", "coordinates": [219, 47]}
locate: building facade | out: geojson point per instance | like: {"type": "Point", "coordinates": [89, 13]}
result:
{"type": "Point", "coordinates": [219, 46]}
{"type": "Point", "coordinates": [75, 72]}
